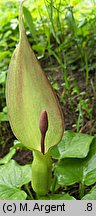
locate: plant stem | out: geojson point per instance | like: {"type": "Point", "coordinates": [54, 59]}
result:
{"type": "Point", "coordinates": [29, 192]}
{"type": "Point", "coordinates": [54, 184]}
{"type": "Point", "coordinates": [81, 190]}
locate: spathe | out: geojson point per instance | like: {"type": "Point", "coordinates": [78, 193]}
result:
{"type": "Point", "coordinates": [28, 93]}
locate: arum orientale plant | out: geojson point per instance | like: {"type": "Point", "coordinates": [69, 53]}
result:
{"type": "Point", "coordinates": [34, 111]}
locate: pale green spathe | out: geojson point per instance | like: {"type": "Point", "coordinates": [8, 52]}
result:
{"type": "Point", "coordinates": [28, 93]}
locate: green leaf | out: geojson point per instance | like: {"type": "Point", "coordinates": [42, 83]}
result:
{"type": "Point", "coordinates": [71, 21]}
{"type": "Point", "coordinates": [8, 193]}
{"type": "Point", "coordinates": [90, 177]}
{"type": "Point", "coordinates": [70, 171]}
{"type": "Point", "coordinates": [2, 77]}
{"type": "Point", "coordinates": [89, 165]}
{"type": "Point", "coordinates": [12, 174]}
{"type": "Point", "coordinates": [3, 117]}
{"type": "Point", "coordinates": [12, 177]}
{"type": "Point", "coordinates": [65, 196]}
{"type": "Point", "coordinates": [73, 145]}
{"type": "Point", "coordinates": [29, 22]}
{"type": "Point", "coordinates": [91, 195]}
{"type": "Point", "coordinates": [5, 109]}
{"type": "Point", "coordinates": [3, 55]}
{"type": "Point", "coordinates": [7, 158]}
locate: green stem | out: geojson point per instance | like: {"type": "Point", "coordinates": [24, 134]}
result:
{"type": "Point", "coordinates": [54, 184]}
{"type": "Point", "coordinates": [81, 190]}
{"type": "Point", "coordinates": [29, 192]}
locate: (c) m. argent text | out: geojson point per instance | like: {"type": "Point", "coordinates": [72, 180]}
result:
{"type": "Point", "coordinates": [43, 208]}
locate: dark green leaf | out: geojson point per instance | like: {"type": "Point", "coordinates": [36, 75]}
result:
{"type": "Point", "coordinates": [65, 196]}
{"type": "Point", "coordinates": [91, 195]}
{"type": "Point", "coordinates": [73, 145]}
{"type": "Point", "coordinates": [70, 171]}
{"type": "Point", "coordinates": [12, 177]}
{"type": "Point", "coordinates": [89, 165]}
